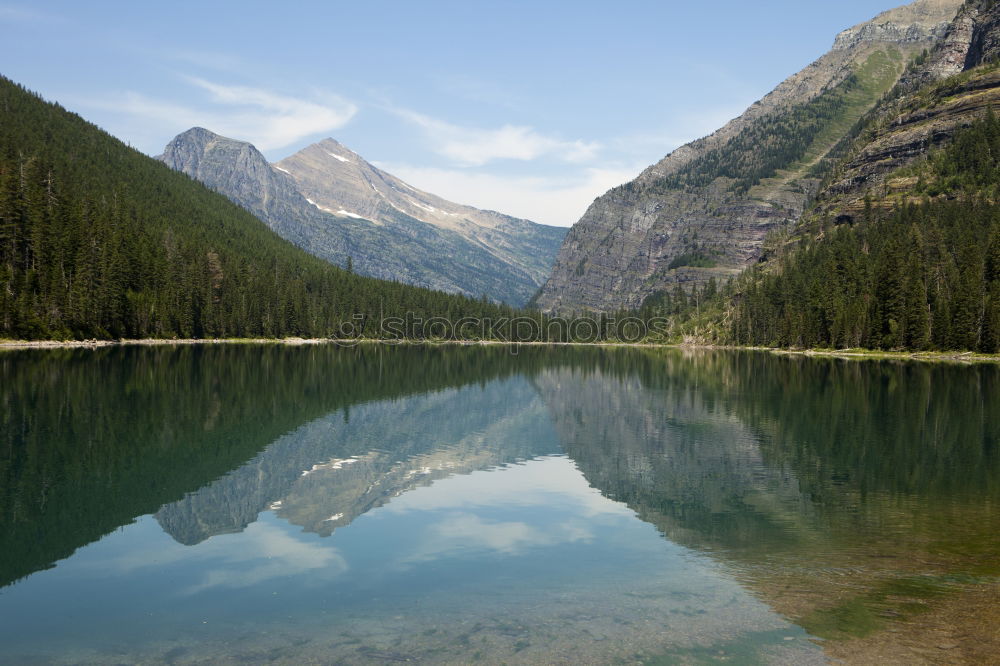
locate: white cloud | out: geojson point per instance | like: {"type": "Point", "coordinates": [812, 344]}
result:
{"type": "Point", "coordinates": [262, 552]}
{"type": "Point", "coordinates": [264, 118]}
{"type": "Point", "coordinates": [473, 146]}
{"type": "Point", "coordinates": [559, 201]}
{"type": "Point", "coordinates": [265, 553]}
{"type": "Point", "coordinates": [466, 532]}
{"type": "Point", "coordinates": [278, 120]}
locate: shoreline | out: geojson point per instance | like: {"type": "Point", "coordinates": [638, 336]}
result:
{"type": "Point", "coordinates": [857, 354]}
{"type": "Point", "coordinates": [292, 342]}
{"type": "Point", "coordinates": [964, 358]}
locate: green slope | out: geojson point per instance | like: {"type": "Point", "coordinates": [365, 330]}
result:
{"type": "Point", "coordinates": [776, 149]}
{"type": "Point", "coordinates": [922, 276]}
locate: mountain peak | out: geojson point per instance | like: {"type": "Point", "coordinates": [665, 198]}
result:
{"type": "Point", "coordinates": [335, 150]}
{"type": "Point", "coordinates": [703, 212]}
{"type": "Point", "coordinates": [198, 131]}
{"type": "Point", "coordinates": [233, 167]}
{"type": "Point", "coordinates": [331, 142]}
{"type": "Point", "coordinates": [331, 201]}
{"type": "Point", "coordinates": [195, 142]}
{"type": "Point", "coordinates": [912, 23]}
{"type": "Point", "coordinates": [199, 136]}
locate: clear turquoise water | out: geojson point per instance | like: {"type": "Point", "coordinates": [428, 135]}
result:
{"type": "Point", "coordinates": [323, 505]}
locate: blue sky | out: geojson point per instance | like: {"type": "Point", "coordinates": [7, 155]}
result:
{"type": "Point", "coordinates": [530, 108]}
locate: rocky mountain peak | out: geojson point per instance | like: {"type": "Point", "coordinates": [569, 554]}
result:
{"type": "Point", "coordinates": [199, 144]}
{"type": "Point", "coordinates": [916, 22]}
{"type": "Point", "coordinates": [235, 168]}
{"type": "Point", "coordinates": [332, 202]}
{"type": "Point", "coordinates": [338, 150]}
{"type": "Point", "coordinates": [196, 136]}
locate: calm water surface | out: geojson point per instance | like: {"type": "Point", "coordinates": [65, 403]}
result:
{"type": "Point", "coordinates": [259, 504]}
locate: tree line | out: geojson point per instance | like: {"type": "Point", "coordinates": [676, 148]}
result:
{"type": "Point", "coordinates": [920, 276]}
{"type": "Point", "coordinates": [77, 263]}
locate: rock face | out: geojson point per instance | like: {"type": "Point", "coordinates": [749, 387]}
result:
{"type": "Point", "coordinates": [341, 182]}
{"type": "Point", "coordinates": [332, 203]}
{"type": "Point", "coordinates": [705, 209]}
{"type": "Point", "coordinates": [907, 23]}
{"type": "Point", "coordinates": [972, 39]}
{"type": "Point", "coordinates": [904, 139]}
{"type": "Point", "coordinates": [949, 91]}
{"type": "Point", "coordinates": [240, 171]}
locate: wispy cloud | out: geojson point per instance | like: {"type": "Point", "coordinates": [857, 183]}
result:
{"type": "Point", "coordinates": [651, 145]}
{"type": "Point", "coordinates": [474, 146]}
{"type": "Point", "coordinates": [478, 90]}
{"type": "Point", "coordinates": [13, 13]}
{"type": "Point", "coordinates": [265, 118]}
{"type": "Point", "coordinates": [223, 62]}
{"type": "Point", "coordinates": [556, 200]}
{"type": "Point", "coordinates": [279, 119]}
{"type": "Point", "coordinates": [557, 195]}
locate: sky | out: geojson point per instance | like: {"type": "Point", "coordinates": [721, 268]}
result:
{"type": "Point", "coordinates": [531, 108]}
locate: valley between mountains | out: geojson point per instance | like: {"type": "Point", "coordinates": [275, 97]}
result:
{"type": "Point", "coordinates": [288, 408]}
{"type": "Point", "coordinates": [852, 206]}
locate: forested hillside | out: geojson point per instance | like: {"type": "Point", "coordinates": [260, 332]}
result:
{"type": "Point", "coordinates": [924, 275]}
{"type": "Point", "coordinates": [792, 141]}
{"type": "Point", "coordinates": [900, 249]}
{"type": "Point", "coordinates": [99, 240]}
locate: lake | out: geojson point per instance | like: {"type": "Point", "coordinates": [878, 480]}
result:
{"type": "Point", "coordinates": [380, 505]}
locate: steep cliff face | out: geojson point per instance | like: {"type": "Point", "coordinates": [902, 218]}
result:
{"type": "Point", "coordinates": [971, 39]}
{"type": "Point", "coordinates": [332, 203]}
{"type": "Point", "coordinates": [705, 209]}
{"type": "Point", "coordinates": [911, 202]}
{"type": "Point", "coordinates": [958, 83]}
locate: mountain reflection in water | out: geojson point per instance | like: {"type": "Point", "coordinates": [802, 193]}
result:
{"type": "Point", "coordinates": [456, 504]}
